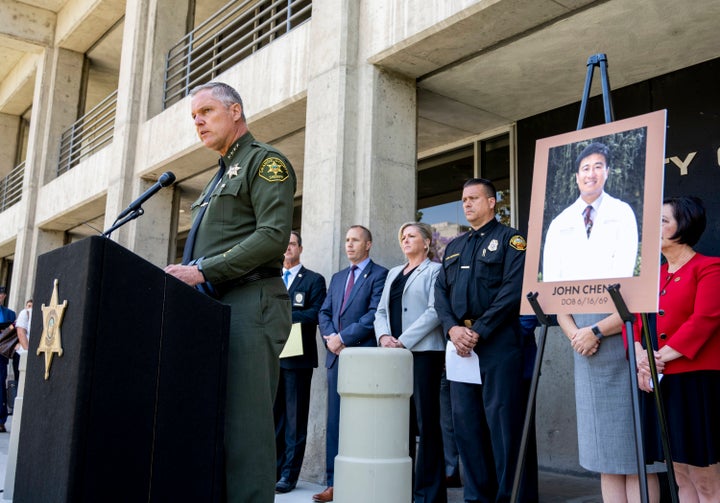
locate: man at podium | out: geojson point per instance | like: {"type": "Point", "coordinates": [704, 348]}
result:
{"type": "Point", "coordinates": [234, 252]}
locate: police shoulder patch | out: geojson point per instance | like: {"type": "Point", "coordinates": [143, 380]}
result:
{"type": "Point", "coordinates": [518, 242]}
{"type": "Point", "coordinates": [273, 169]}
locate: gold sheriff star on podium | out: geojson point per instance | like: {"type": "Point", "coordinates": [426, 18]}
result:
{"type": "Point", "coordinates": [50, 341]}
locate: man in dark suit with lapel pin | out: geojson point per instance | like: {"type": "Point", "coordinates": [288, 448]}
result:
{"type": "Point", "coordinates": [292, 402]}
{"type": "Point", "coordinates": [346, 320]}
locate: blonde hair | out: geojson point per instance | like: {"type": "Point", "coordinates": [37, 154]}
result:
{"type": "Point", "coordinates": [425, 231]}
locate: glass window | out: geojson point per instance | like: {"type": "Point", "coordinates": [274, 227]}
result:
{"type": "Point", "coordinates": [440, 181]}
{"type": "Point", "coordinates": [495, 166]}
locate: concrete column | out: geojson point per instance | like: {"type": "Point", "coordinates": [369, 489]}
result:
{"type": "Point", "coordinates": [373, 462]}
{"type": "Point", "coordinates": [360, 150]}
{"type": "Point", "coordinates": [57, 99]}
{"type": "Point", "coordinates": [149, 235]}
{"type": "Point", "coordinates": [360, 163]}
{"type": "Point", "coordinates": [55, 105]}
{"type": "Point", "coordinates": [168, 22]}
{"type": "Point", "coordinates": [9, 125]}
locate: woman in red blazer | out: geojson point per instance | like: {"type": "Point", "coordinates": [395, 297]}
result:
{"type": "Point", "coordinates": [688, 329]}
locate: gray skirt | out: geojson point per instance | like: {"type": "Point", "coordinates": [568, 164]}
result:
{"type": "Point", "coordinates": [606, 438]}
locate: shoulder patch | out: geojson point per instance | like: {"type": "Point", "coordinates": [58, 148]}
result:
{"type": "Point", "coordinates": [273, 169]}
{"type": "Point", "coordinates": [518, 242]}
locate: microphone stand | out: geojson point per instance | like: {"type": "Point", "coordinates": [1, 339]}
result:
{"type": "Point", "coordinates": [120, 222]}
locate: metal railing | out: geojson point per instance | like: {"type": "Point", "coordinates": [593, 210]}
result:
{"type": "Point", "coordinates": [232, 34]}
{"type": "Point", "coordinates": [11, 187]}
{"type": "Point", "coordinates": [88, 134]}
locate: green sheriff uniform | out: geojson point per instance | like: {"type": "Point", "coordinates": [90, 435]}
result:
{"type": "Point", "coordinates": [239, 247]}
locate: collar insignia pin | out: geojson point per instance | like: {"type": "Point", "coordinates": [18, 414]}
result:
{"type": "Point", "coordinates": [233, 171]}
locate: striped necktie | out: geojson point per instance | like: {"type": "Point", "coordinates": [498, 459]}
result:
{"type": "Point", "coordinates": [588, 219]}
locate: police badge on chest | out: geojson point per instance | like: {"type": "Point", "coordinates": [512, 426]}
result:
{"type": "Point", "coordinates": [299, 299]}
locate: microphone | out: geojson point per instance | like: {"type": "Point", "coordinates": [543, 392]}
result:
{"type": "Point", "coordinates": [165, 180]}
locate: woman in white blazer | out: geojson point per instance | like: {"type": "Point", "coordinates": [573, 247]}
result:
{"type": "Point", "coordinates": [406, 318]}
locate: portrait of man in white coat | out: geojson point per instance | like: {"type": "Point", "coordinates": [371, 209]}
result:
{"type": "Point", "coordinates": [596, 237]}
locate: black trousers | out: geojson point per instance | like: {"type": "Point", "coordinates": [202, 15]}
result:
{"type": "Point", "coordinates": [291, 410]}
{"type": "Point", "coordinates": [429, 480]}
{"type": "Point", "coordinates": [3, 384]}
{"type": "Point", "coordinates": [488, 420]}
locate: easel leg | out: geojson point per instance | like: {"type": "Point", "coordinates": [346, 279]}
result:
{"type": "Point", "coordinates": [530, 409]}
{"type": "Point", "coordinates": [659, 407]}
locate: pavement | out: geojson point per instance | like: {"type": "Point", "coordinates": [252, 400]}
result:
{"type": "Point", "coordinates": [554, 488]}
{"type": "Point", "coordinates": [4, 442]}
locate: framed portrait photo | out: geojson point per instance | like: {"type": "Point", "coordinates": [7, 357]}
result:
{"type": "Point", "coordinates": [595, 217]}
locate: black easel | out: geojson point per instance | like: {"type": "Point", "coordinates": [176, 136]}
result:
{"type": "Point", "coordinates": [530, 409]}
{"type": "Point", "coordinates": [628, 318]}
{"type": "Point", "coordinates": [593, 61]}
{"type": "Point", "coordinates": [599, 60]}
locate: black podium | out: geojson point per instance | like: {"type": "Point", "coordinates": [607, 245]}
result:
{"type": "Point", "coordinates": [133, 409]}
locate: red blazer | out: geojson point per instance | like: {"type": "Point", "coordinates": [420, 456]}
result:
{"type": "Point", "coordinates": [688, 318]}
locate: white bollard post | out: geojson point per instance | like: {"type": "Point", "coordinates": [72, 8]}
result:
{"type": "Point", "coordinates": [373, 464]}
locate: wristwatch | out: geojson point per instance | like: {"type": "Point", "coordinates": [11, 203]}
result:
{"type": "Point", "coordinates": [596, 331]}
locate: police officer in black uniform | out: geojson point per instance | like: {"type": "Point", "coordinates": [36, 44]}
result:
{"type": "Point", "coordinates": [477, 298]}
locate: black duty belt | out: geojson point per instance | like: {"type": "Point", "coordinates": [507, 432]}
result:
{"type": "Point", "coordinates": [254, 275]}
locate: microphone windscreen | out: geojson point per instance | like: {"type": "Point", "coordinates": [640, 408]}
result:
{"type": "Point", "coordinates": [166, 179]}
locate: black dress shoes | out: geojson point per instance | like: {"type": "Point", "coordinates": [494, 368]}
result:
{"type": "Point", "coordinates": [453, 481]}
{"type": "Point", "coordinates": [284, 485]}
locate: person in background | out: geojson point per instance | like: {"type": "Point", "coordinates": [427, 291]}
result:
{"type": "Point", "coordinates": [7, 316]}
{"type": "Point", "coordinates": [688, 335]}
{"type": "Point", "coordinates": [603, 403]}
{"type": "Point", "coordinates": [23, 331]}
{"type": "Point", "coordinates": [477, 298]}
{"type": "Point", "coordinates": [292, 402]}
{"type": "Point", "coordinates": [406, 318]}
{"type": "Point", "coordinates": [346, 320]}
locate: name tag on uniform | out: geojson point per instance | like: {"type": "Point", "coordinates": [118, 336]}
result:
{"type": "Point", "coordinates": [299, 299]}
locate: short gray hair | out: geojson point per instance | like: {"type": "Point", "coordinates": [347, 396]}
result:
{"type": "Point", "coordinates": [222, 92]}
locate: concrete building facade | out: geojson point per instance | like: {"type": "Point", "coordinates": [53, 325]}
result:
{"type": "Point", "coordinates": [384, 107]}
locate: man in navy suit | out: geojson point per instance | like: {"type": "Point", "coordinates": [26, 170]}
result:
{"type": "Point", "coordinates": [346, 320]}
{"type": "Point", "coordinates": [292, 402]}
